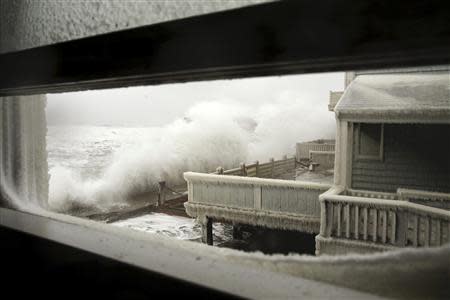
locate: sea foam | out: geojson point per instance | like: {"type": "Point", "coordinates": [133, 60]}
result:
{"type": "Point", "coordinates": [211, 134]}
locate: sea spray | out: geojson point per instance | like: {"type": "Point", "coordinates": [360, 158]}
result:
{"type": "Point", "coordinates": [219, 133]}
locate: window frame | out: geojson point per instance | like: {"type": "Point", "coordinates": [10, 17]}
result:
{"type": "Point", "coordinates": [358, 155]}
{"type": "Point", "coordinates": [278, 38]}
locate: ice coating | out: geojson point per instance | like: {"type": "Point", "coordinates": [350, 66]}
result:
{"type": "Point", "coordinates": [414, 97]}
{"type": "Point", "coordinates": [23, 155]}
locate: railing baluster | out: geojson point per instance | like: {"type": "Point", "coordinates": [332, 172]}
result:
{"type": "Point", "coordinates": [330, 209]}
{"type": "Point", "coordinates": [257, 199]}
{"type": "Point", "coordinates": [438, 232]}
{"type": "Point", "coordinates": [448, 231]}
{"type": "Point", "coordinates": [365, 217]}
{"type": "Point", "coordinates": [356, 222]}
{"type": "Point", "coordinates": [375, 225]}
{"type": "Point", "coordinates": [339, 220]}
{"type": "Point", "coordinates": [347, 224]}
{"type": "Point", "coordinates": [393, 226]}
{"type": "Point", "coordinates": [427, 234]}
{"type": "Point", "coordinates": [415, 231]}
{"type": "Point", "coordinates": [384, 226]}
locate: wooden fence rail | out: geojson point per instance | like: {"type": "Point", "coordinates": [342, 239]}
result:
{"type": "Point", "coordinates": [271, 169]}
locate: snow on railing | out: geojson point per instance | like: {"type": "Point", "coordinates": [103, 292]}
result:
{"type": "Point", "coordinates": [385, 222]}
{"type": "Point", "coordinates": [253, 196]}
{"type": "Point", "coordinates": [433, 199]}
{"type": "Point", "coordinates": [371, 194]}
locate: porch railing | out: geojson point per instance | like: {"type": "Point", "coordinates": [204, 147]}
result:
{"type": "Point", "coordinates": [385, 222]}
{"type": "Point", "coordinates": [255, 195]}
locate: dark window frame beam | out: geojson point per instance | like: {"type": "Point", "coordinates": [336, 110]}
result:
{"type": "Point", "coordinates": [279, 38]}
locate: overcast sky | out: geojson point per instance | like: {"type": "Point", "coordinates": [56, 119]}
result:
{"type": "Point", "coordinates": [159, 105]}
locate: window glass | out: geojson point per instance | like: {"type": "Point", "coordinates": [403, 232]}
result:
{"type": "Point", "coordinates": [370, 139]}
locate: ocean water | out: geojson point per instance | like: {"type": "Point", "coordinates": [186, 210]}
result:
{"type": "Point", "coordinates": [88, 152]}
{"type": "Point", "coordinates": [99, 168]}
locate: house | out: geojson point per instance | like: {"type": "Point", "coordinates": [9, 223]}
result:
{"type": "Point", "coordinates": [392, 153]}
{"type": "Point", "coordinates": [392, 173]}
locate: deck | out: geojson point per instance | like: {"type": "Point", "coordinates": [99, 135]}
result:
{"type": "Point", "coordinates": [272, 203]}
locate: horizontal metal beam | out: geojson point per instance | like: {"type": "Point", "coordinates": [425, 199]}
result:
{"type": "Point", "coordinates": [271, 39]}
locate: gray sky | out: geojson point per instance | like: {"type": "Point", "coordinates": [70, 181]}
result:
{"type": "Point", "coordinates": [159, 105]}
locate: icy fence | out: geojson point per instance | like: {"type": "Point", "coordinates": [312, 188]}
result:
{"type": "Point", "coordinates": [303, 149]}
{"type": "Point", "coordinates": [438, 200]}
{"type": "Point", "coordinates": [272, 203]}
{"type": "Point", "coordinates": [384, 222]}
{"type": "Point", "coordinates": [324, 159]}
{"type": "Point", "coordinates": [271, 169]}
{"type": "Point", "coordinates": [23, 154]}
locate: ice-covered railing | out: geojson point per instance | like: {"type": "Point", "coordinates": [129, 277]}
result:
{"type": "Point", "coordinates": [370, 194]}
{"type": "Point", "coordinates": [271, 169]}
{"type": "Point", "coordinates": [303, 149]}
{"type": "Point", "coordinates": [381, 222]}
{"type": "Point", "coordinates": [438, 200]}
{"type": "Point", "coordinates": [272, 203]}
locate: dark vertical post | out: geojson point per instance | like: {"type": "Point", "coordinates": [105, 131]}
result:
{"type": "Point", "coordinates": [243, 169]}
{"type": "Point", "coordinates": [256, 168]}
{"type": "Point", "coordinates": [162, 192]}
{"type": "Point", "coordinates": [219, 170]}
{"type": "Point", "coordinates": [237, 232]}
{"type": "Point", "coordinates": [207, 233]}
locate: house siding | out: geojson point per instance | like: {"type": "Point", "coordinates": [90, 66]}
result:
{"type": "Point", "coordinates": [415, 156]}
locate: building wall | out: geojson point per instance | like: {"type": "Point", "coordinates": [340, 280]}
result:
{"type": "Point", "coordinates": [415, 156]}
{"type": "Point", "coordinates": [31, 23]}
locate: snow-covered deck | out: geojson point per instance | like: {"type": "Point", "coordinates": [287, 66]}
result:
{"type": "Point", "coordinates": [272, 203]}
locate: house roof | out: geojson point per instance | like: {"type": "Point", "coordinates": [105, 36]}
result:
{"type": "Point", "coordinates": [404, 98]}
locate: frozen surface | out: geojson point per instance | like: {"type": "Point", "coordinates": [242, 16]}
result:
{"type": "Point", "coordinates": [23, 155]}
{"type": "Point", "coordinates": [408, 96]}
{"type": "Point", "coordinates": [325, 176]}
{"type": "Point", "coordinates": [28, 23]}
{"type": "Point", "coordinates": [175, 227]}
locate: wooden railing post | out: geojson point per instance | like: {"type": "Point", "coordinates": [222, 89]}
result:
{"type": "Point", "coordinates": [237, 232]}
{"type": "Point", "coordinates": [207, 233]}
{"type": "Point", "coordinates": [219, 170]}
{"type": "Point", "coordinates": [161, 192]}
{"type": "Point", "coordinates": [243, 169]}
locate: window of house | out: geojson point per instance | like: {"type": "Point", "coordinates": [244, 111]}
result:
{"type": "Point", "coordinates": [369, 143]}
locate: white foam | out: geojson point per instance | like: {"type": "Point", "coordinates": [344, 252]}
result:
{"type": "Point", "coordinates": [220, 133]}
